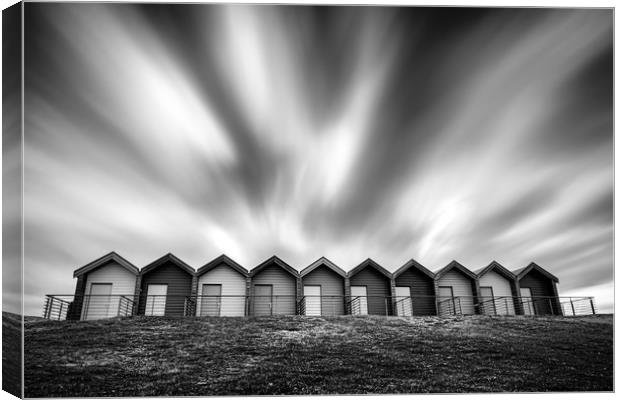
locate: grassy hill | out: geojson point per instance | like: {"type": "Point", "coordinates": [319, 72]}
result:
{"type": "Point", "coordinates": [11, 354]}
{"type": "Point", "coordinates": [155, 356]}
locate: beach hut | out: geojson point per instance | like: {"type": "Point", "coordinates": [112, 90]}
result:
{"type": "Point", "coordinates": [538, 291]}
{"type": "Point", "coordinates": [165, 285]}
{"type": "Point", "coordinates": [455, 287]}
{"type": "Point", "coordinates": [323, 286]}
{"type": "Point", "coordinates": [222, 288]}
{"type": "Point", "coordinates": [370, 289]}
{"type": "Point", "coordinates": [414, 290]}
{"type": "Point", "coordinates": [273, 288]}
{"type": "Point", "coordinates": [498, 288]}
{"type": "Point", "coordinates": [105, 288]}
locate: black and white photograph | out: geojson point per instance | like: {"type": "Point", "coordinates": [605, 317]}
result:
{"type": "Point", "coordinates": [242, 199]}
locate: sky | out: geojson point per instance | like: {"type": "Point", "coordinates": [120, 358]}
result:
{"type": "Point", "coordinates": [393, 133]}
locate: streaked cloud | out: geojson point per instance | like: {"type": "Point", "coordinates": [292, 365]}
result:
{"type": "Point", "coordinates": [345, 132]}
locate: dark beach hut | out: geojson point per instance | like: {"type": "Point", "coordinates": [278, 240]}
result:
{"type": "Point", "coordinates": [323, 285]}
{"type": "Point", "coordinates": [273, 288]}
{"type": "Point", "coordinates": [455, 286]}
{"type": "Point", "coordinates": [538, 291]}
{"type": "Point", "coordinates": [414, 290]}
{"type": "Point", "coordinates": [497, 290]}
{"type": "Point", "coordinates": [370, 289]}
{"type": "Point", "coordinates": [165, 284]}
{"type": "Point", "coordinates": [105, 288]}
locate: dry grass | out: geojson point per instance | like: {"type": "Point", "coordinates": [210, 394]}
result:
{"type": "Point", "coordinates": [11, 354]}
{"type": "Point", "coordinates": [156, 356]}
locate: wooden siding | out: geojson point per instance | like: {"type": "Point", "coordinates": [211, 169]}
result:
{"type": "Point", "coordinates": [75, 308]}
{"type": "Point", "coordinates": [331, 284]}
{"type": "Point", "coordinates": [377, 289]}
{"type": "Point", "coordinates": [233, 285]}
{"type": "Point", "coordinates": [179, 287]}
{"type": "Point", "coordinates": [541, 286]}
{"type": "Point", "coordinates": [461, 286]}
{"type": "Point", "coordinates": [284, 288]}
{"type": "Point", "coordinates": [123, 283]}
{"type": "Point", "coordinates": [501, 288]}
{"type": "Point", "coordinates": [422, 291]}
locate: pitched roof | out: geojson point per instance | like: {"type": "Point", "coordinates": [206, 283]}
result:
{"type": "Point", "coordinates": [162, 260]}
{"type": "Point", "coordinates": [274, 260]}
{"type": "Point", "coordinates": [323, 261]}
{"type": "Point", "coordinates": [454, 265]}
{"type": "Point", "coordinates": [101, 261]}
{"type": "Point", "coordinates": [520, 273]}
{"type": "Point", "coordinates": [369, 263]}
{"type": "Point", "coordinates": [494, 265]}
{"type": "Point", "coordinates": [416, 265]}
{"type": "Point", "coordinates": [223, 259]}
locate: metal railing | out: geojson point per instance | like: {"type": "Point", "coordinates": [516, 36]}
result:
{"type": "Point", "coordinates": [500, 305]}
{"type": "Point", "coordinates": [321, 305]}
{"type": "Point", "coordinates": [368, 305]}
{"type": "Point", "coordinates": [573, 306]}
{"type": "Point", "coordinates": [97, 306]}
{"type": "Point", "coordinates": [217, 306]}
{"type": "Point", "coordinates": [59, 307]}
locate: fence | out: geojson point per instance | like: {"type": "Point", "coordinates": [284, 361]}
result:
{"type": "Point", "coordinates": [578, 305]}
{"type": "Point", "coordinates": [104, 306]}
{"type": "Point", "coordinates": [94, 306]}
{"type": "Point", "coordinates": [57, 306]}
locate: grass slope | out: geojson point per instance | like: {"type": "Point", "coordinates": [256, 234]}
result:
{"type": "Point", "coordinates": [155, 356]}
{"type": "Point", "coordinates": [12, 353]}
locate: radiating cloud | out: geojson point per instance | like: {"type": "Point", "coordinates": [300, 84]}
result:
{"type": "Point", "coordinates": [345, 132]}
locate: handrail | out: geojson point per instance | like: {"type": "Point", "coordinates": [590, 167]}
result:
{"type": "Point", "coordinates": [103, 306]}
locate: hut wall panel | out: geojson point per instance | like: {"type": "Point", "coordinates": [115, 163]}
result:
{"type": "Point", "coordinates": [422, 291]}
{"type": "Point", "coordinates": [179, 287]}
{"type": "Point", "coordinates": [123, 283]}
{"type": "Point", "coordinates": [461, 286]}
{"type": "Point", "coordinates": [233, 284]}
{"type": "Point", "coordinates": [377, 290]}
{"type": "Point", "coordinates": [284, 288]}
{"type": "Point", "coordinates": [75, 311]}
{"type": "Point", "coordinates": [540, 286]}
{"type": "Point", "coordinates": [501, 288]}
{"type": "Point", "coordinates": [331, 284]}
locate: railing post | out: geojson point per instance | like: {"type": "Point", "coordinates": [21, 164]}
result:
{"type": "Point", "coordinates": [550, 306]}
{"type": "Point", "coordinates": [386, 306]}
{"type": "Point", "coordinates": [572, 306]}
{"type": "Point", "coordinates": [592, 306]}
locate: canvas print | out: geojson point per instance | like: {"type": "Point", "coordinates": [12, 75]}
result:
{"type": "Point", "coordinates": [245, 199]}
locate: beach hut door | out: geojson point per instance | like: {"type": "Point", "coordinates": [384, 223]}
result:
{"type": "Point", "coordinates": [156, 299]}
{"type": "Point", "coordinates": [359, 300]}
{"type": "Point", "coordinates": [98, 301]}
{"type": "Point", "coordinates": [312, 298]}
{"type": "Point", "coordinates": [263, 299]}
{"type": "Point", "coordinates": [527, 301]}
{"type": "Point", "coordinates": [487, 300]}
{"type": "Point", "coordinates": [403, 301]}
{"type": "Point", "coordinates": [211, 300]}
{"type": "Point", "coordinates": [447, 303]}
